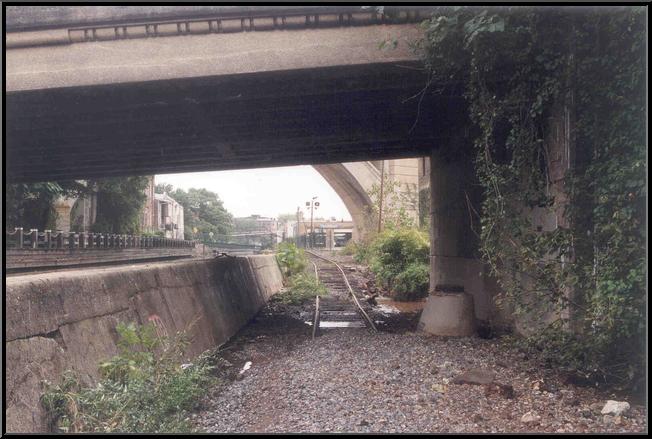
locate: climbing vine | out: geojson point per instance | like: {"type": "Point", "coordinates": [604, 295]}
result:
{"type": "Point", "coordinates": [569, 249]}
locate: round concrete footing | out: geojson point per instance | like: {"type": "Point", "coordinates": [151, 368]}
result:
{"type": "Point", "coordinates": [449, 314]}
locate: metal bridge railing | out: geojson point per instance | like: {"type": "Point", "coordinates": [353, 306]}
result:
{"type": "Point", "coordinates": [47, 239]}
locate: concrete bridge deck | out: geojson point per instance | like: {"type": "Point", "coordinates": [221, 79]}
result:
{"type": "Point", "coordinates": [315, 92]}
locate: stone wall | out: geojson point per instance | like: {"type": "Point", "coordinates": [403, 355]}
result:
{"type": "Point", "coordinates": [59, 321]}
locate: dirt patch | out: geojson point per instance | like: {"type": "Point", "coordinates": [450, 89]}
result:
{"type": "Point", "coordinates": [274, 331]}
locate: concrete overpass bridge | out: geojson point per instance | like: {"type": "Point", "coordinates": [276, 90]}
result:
{"type": "Point", "coordinates": [108, 91]}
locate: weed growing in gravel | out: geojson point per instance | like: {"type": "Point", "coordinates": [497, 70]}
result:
{"type": "Point", "coordinates": [361, 250]}
{"type": "Point", "coordinates": [143, 389]}
{"type": "Point", "coordinates": [302, 287]}
{"type": "Point", "coordinates": [291, 259]}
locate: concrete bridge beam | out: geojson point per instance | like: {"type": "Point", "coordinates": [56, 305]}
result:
{"type": "Point", "coordinates": [192, 56]}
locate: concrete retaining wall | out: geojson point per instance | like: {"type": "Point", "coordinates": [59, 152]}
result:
{"type": "Point", "coordinates": [59, 321]}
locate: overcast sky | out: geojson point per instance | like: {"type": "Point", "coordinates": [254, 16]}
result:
{"type": "Point", "coordinates": [266, 192]}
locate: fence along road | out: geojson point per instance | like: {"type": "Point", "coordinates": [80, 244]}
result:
{"type": "Point", "coordinates": [49, 250]}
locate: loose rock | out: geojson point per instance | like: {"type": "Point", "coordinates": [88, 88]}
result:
{"type": "Point", "coordinates": [615, 408]}
{"type": "Point", "coordinates": [504, 390]}
{"type": "Point", "coordinates": [530, 418]}
{"type": "Point", "coordinates": [475, 376]}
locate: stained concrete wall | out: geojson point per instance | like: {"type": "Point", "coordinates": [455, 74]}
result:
{"type": "Point", "coordinates": [67, 320]}
{"type": "Point", "coordinates": [353, 181]}
{"type": "Point", "coordinates": [454, 261]}
{"type": "Point", "coordinates": [188, 56]}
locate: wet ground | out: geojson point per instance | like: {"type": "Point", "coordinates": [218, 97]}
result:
{"type": "Point", "coordinates": [395, 380]}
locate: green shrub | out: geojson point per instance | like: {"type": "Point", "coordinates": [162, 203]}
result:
{"type": "Point", "coordinates": [350, 248]}
{"type": "Point", "coordinates": [291, 259]}
{"type": "Point", "coordinates": [412, 283]}
{"type": "Point", "coordinates": [362, 251]}
{"type": "Point", "coordinates": [400, 259]}
{"type": "Point", "coordinates": [302, 287]}
{"type": "Point", "coordinates": [358, 249]}
{"type": "Point", "coordinates": [143, 389]}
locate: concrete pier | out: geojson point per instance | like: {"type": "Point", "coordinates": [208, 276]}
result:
{"type": "Point", "coordinates": [449, 309]}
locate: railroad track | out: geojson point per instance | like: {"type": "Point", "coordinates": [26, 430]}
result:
{"type": "Point", "coordinates": [341, 308]}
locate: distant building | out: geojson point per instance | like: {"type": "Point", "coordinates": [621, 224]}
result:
{"type": "Point", "coordinates": [256, 229]}
{"type": "Point", "coordinates": [335, 233]}
{"type": "Point", "coordinates": [255, 224]}
{"type": "Point", "coordinates": [162, 213]}
{"type": "Point", "coordinates": [287, 228]}
{"type": "Point", "coordinates": [169, 215]}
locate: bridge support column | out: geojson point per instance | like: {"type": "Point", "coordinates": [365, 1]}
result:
{"type": "Point", "coordinates": [449, 310]}
{"type": "Point", "coordinates": [63, 207]}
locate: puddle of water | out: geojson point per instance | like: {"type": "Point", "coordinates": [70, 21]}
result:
{"type": "Point", "coordinates": [341, 325]}
{"type": "Point", "coordinates": [328, 324]}
{"type": "Point", "coordinates": [388, 306]}
{"type": "Point", "coordinates": [339, 313]}
{"type": "Point", "coordinates": [387, 309]}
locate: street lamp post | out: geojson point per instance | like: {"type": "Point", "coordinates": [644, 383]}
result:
{"type": "Point", "coordinates": [313, 205]}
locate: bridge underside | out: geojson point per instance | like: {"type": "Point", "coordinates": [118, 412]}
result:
{"type": "Point", "coordinates": [309, 116]}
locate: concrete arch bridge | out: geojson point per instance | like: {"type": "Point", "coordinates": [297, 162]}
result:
{"type": "Point", "coordinates": [354, 182]}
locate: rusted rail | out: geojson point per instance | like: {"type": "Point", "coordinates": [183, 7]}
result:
{"type": "Point", "coordinates": [315, 323]}
{"type": "Point", "coordinates": [359, 307]}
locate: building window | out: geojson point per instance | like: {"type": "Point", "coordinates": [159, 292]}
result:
{"type": "Point", "coordinates": [164, 213]}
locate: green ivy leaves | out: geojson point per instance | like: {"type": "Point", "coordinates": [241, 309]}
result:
{"type": "Point", "coordinates": [522, 66]}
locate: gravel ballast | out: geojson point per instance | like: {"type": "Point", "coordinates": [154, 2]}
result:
{"type": "Point", "coordinates": [355, 380]}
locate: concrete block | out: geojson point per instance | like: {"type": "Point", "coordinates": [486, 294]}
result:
{"type": "Point", "coordinates": [29, 362]}
{"type": "Point", "coordinates": [31, 308]}
{"type": "Point", "coordinates": [89, 296]}
{"type": "Point", "coordinates": [189, 315]}
{"type": "Point", "coordinates": [39, 303]}
{"type": "Point", "coordinates": [92, 341]}
{"type": "Point", "coordinates": [448, 314]}
{"type": "Point", "coordinates": [150, 306]}
{"type": "Point", "coordinates": [268, 274]}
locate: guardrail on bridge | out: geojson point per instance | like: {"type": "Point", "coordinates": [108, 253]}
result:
{"type": "Point", "coordinates": [48, 249]}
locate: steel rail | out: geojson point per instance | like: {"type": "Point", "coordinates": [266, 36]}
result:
{"type": "Point", "coordinates": [315, 323]}
{"type": "Point", "coordinates": [348, 285]}
{"type": "Point", "coordinates": [316, 272]}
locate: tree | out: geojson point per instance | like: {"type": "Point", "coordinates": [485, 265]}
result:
{"type": "Point", "coordinates": [203, 211]}
{"type": "Point", "coordinates": [119, 204]}
{"type": "Point", "coordinates": [162, 188]}
{"type": "Point", "coordinates": [287, 216]}
{"type": "Point", "coordinates": [394, 200]}
{"type": "Point", "coordinates": [30, 205]}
